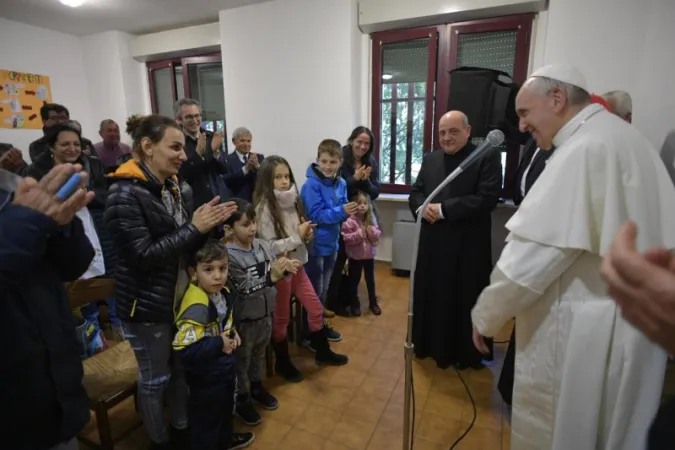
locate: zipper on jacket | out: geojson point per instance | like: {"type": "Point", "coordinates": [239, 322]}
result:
{"type": "Point", "coordinates": [133, 308]}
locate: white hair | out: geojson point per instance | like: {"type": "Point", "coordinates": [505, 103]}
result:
{"type": "Point", "coordinates": [620, 102]}
{"type": "Point", "coordinates": [178, 106]}
{"type": "Point", "coordinates": [241, 132]}
{"type": "Point", "coordinates": [575, 94]}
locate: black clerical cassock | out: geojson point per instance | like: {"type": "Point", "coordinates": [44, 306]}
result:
{"type": "Point", "coordinates": [455, 255]}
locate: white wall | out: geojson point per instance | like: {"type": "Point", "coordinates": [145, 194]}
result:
{"type": "Point", "coordinates": [177, 42]}
{"type": "Point", "coordinates": [118, 85]}
{"type": "Point", "coordinates": [36, 50]}
{"type": "Point", "coordinates": [292, 82]}
{"type": "Point", "coordinates": [620, 44]}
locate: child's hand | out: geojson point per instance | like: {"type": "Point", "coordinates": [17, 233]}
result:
{"type": "Point", "coordinates": [351, 208]}
{"type": "Point", "coordinates": [305, 229]}
{"type": "Point", "coordinates": [293, 265]}
{"type": "Point", "coordinates": [228, 344]}
{"type": "Point", "coordinates": [236, 339]}
{"type": "Point", "coordinates": [278, 268]}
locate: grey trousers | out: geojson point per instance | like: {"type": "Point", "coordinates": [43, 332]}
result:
{"type": "Point", "coordinates": [255, 337]}
{"type": "Point", "coordinates": [159, 376]}
{"type": "Point", "coordinates": [70, 445]}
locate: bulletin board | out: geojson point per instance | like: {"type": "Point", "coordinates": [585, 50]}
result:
{"type": "Point", "coordinates": [21, 97]}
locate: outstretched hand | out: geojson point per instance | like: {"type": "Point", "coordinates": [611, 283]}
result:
{"type": "Point", "coordinates": [41, 196]}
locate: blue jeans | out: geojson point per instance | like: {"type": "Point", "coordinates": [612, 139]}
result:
{"type": "Point", "coordinates": [319, 270]}
{"type": "Point", "coordinates": [159, 373]}
{"type": "Point", "coordinates": [90, 313]}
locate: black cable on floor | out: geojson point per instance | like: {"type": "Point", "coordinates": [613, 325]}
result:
{"type": "Point", "coordinates": [473, 405]}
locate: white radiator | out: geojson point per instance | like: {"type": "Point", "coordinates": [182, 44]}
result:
{"type": "Point", "coordinates": [402, 245]}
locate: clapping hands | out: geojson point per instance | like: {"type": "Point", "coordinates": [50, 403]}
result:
{"type": "Point", "coordinates": [362, 173]}
{"type": "Point", "coordinates": [230, 344]}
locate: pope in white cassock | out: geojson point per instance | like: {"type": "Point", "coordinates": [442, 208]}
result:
{"type": "Point", "coordinates": [584, 378]}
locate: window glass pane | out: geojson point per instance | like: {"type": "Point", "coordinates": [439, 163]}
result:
{"type": "Point", "coordinates": [386, 91]}
{"type": "Point", "coordinates": [180, 88]}
{"type": "Point", "coordinates": [206, 85]}
{"type": "Point", "coordinates": [385, 143]}
{"type": "Point", "coordinates": [163, 92]}
{"type": "Point", "coordinates": [404, 65]}
{"type": "Point", "coordinates": [417, 140]}
{"type": "Point", "coordinates": [420, 89]}
{"type": "Point", "coordinates": [402, 90]}
{"type": "Point", "coordinates": [401, 141]}
{"type": "Point", "coordinates": [490, 50]}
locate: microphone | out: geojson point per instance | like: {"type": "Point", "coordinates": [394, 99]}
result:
{"type": "Point", "coordinates": [492, 140]}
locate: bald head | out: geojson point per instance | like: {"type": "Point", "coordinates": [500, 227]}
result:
{"type": "Point", "coordinates": [453, 131]}
{"type": "Point", "coordinates": [620, 103]}
{"type": "Point", "coordinates": [545, 105]}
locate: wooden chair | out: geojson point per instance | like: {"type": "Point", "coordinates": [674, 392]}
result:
{"type": "Point", "coordinates": [109, 378]}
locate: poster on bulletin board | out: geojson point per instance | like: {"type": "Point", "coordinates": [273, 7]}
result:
{"type": "Point", "coordinates": [21, 97]}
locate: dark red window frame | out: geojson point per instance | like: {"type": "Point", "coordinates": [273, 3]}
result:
{"type": "Point", "coordinates": [172, 64]}
{"type": "Point", "coordinates": [379, 40]}
{"type": "Point", "coordinates": [445, 60]}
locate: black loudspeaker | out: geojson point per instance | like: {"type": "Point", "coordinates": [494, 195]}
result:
{"type": "Point", "coordinates": [486, 96]}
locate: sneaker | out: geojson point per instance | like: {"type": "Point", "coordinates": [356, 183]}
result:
{"type": "Point", "coordinates": [308, 345]}
{"type": "Point", "coordinates": [246, 412]}
{"type": "Point", "coordinates": [331, 334]}
{"type": "Point", "coordinates": [328, 313]}
{"type": "Point", "coordinates": [264, 398]}
{"type": "Point", "coordinates": [241, 440]}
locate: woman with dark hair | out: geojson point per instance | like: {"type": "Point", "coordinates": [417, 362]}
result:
{"type": "Point", "coordinates": [154, 235]}
{"type": "Point", "coordinates": [64, 144]}
{"type": "Point", "coordinates": [359, 169]}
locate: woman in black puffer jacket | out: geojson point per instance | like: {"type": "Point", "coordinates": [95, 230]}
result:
{"type": "Point", "coordinates": [154, 235]}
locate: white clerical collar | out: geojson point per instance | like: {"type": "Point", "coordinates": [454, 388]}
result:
{"type": "Point", "coordinates": [575, 123]}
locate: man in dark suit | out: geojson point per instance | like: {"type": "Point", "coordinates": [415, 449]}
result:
{"type": "Point", "coordinates": [243, 165]}
{"type": "Point", "coordinates": [531, 166]}
{"type": "Point", "coordinates": [203, 170]}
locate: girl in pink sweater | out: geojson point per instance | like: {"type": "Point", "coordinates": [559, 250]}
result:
{"type": "Point", "coordinates": [361, 236]}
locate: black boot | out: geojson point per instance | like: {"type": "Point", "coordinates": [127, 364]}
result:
{"type": "Point", "coordinates": [374, 306]}
{"type": "Point", "coordinates": [283, 365]}
{"type": "Point", "coordinates": [355, 306]}
{"type": "Point", "coordinates": [324, 355]}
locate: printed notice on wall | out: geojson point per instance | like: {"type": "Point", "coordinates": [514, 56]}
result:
{"type": "Point", "coordinates": [21, 97]}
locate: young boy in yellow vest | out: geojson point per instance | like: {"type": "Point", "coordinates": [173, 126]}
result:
{"type": "Point", "coordinates": [206, 340]}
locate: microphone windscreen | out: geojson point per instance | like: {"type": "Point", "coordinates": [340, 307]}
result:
{"type": "Point", "coordinates": [495, 137]}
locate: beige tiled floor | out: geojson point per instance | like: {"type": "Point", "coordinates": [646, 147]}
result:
{"type": "Point", "coordinates": [360, 406]}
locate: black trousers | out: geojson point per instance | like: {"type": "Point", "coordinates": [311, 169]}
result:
{"type": "Point", "coordinates": [210, 412]}
{"type": "Point", "coordinates": [333, 299]}
{"type": "Point", "coordinates": [662, 432]}
{"type": "Point", "coordinates": [507, 376]}
{"type": "Point", "coordinates": [356, 268]}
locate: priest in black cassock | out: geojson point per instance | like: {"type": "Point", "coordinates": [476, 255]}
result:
{"type": "Point", "coordinates": [455, 249]}
{"type": "Point", "coordinates": [531, 165]}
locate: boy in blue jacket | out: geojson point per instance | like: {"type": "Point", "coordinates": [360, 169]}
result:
{"type": "Point", "coordinates": [324, 196]}
{"type": "Point", "coordinates": [206, 340]}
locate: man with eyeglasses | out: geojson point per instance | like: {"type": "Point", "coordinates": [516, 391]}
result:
{"type": "Point", "coordinates": [51, 114]}
{"type": "Point", "coordinates": [204, 169]}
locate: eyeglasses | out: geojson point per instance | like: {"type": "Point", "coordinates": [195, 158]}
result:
{"type": "Point", "coordinates": [192, 117]}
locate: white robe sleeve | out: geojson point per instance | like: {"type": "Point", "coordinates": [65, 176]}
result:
{"type": "Point", "coordinates": [523, 272]}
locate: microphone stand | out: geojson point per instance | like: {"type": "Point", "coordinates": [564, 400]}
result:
{"type": "Point", "coordinates": [493, 139]}
{"type": "Point", "coordinates": [409, 346]}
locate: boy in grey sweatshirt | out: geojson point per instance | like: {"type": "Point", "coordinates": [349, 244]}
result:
{"type": "Point", "coordinates": [254, 270]}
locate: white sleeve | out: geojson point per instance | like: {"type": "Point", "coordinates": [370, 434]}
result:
{"type": "Point", "coordinates": [524, 271]}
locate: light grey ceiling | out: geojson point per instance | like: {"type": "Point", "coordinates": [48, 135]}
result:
{"type": "Point", "coordinates": [131, 16]}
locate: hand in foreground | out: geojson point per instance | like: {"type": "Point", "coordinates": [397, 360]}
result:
{"type": "Point", "coordinates": [293, 265]}
{"type": "Point", "coordinates": [360, 173]}
{"type": "Point", "coordinates": [211, 214]}
{"type": "Point", "coordinates": [41, 196]}
{"type": "Point", "coordinates": [351, 208]}
{"type": "Point", "coordinates": [643, 285]}
{"type": "Point", "coordinates": [479, 342]}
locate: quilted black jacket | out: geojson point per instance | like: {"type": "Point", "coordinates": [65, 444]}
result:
{"type": "Point", "coordinates": [149, 245]}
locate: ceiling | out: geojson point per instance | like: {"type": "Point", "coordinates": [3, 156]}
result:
{"type": "Point", "coordinates": [131, 16]}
